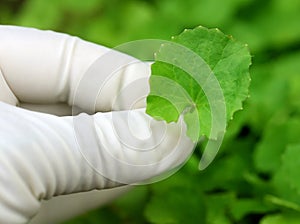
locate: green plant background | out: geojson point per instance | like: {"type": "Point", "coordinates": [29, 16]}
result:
{"type": "Point", "coordinates": [255, 177]}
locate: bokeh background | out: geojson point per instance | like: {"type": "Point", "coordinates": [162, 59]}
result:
{"type": "Point", "coordinates": [256, 175]}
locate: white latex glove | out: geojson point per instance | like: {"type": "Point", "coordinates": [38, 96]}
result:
{"type": "Point", "coordinates": [44, 155]}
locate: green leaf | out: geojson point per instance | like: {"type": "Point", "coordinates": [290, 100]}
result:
{"type": "Point", "coordinates": [217, 207]}
{"type": "Point", "coordinates": [283, 203]}
{"type": "Point", "coordinates": [131, 205]}
{"type": "Point", "coordinates": [202, 74]}
{"type": "Point", "coordinates": [291, 165]}
{"type": "Point", "coordinates": [274, 90]}
{"type": "Point", "coordinates": [242, 207]}
{"type": "Point", "coordinates": [286, 218]}
{"type": "Point", "coordinates": [178, 199]}
{"type": "Point", "coordinates": [178, 205]}
{"type": "Point", "coordinates": [228, 170]}
{"type": "Point", "coordinates": [278, 135]}
{"type": "Point", "coordinates": [286, 179]}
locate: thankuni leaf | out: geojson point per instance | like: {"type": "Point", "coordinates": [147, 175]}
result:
{"type": "Point", "coordinates": [203, 75]}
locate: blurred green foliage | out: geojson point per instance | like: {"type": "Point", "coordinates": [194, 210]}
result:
{"type": "Point", "coordinates": [254, 178]}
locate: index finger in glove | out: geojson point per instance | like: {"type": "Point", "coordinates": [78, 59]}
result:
{"type": "Point", "coordinates": [45, 67]}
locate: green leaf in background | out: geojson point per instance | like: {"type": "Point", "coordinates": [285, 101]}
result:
{"type": "Point", "coordinates": [285, 218]}
{"type": "Point", "coordinates": [291, 166]}
{"type": "Point", "coordinates": [129, 208]}
{"type": "Point", "coordinates": [286, 180]}
{"type": "Point", "coordinates": [167, 209]}
{"type": "Point", "coordinates": [277, 136]}
{"type": "Point", "coordinates": [221, 58]}
{"type": "Point", "coordinates": [274, 92]}
{"type": "Point", "coordinates": [242, 207]}
{"type": "Point", "coordinates": [217, 205]}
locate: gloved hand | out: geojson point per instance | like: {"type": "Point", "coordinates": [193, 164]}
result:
{"type": "Point", "coordinates": [43, 155]}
